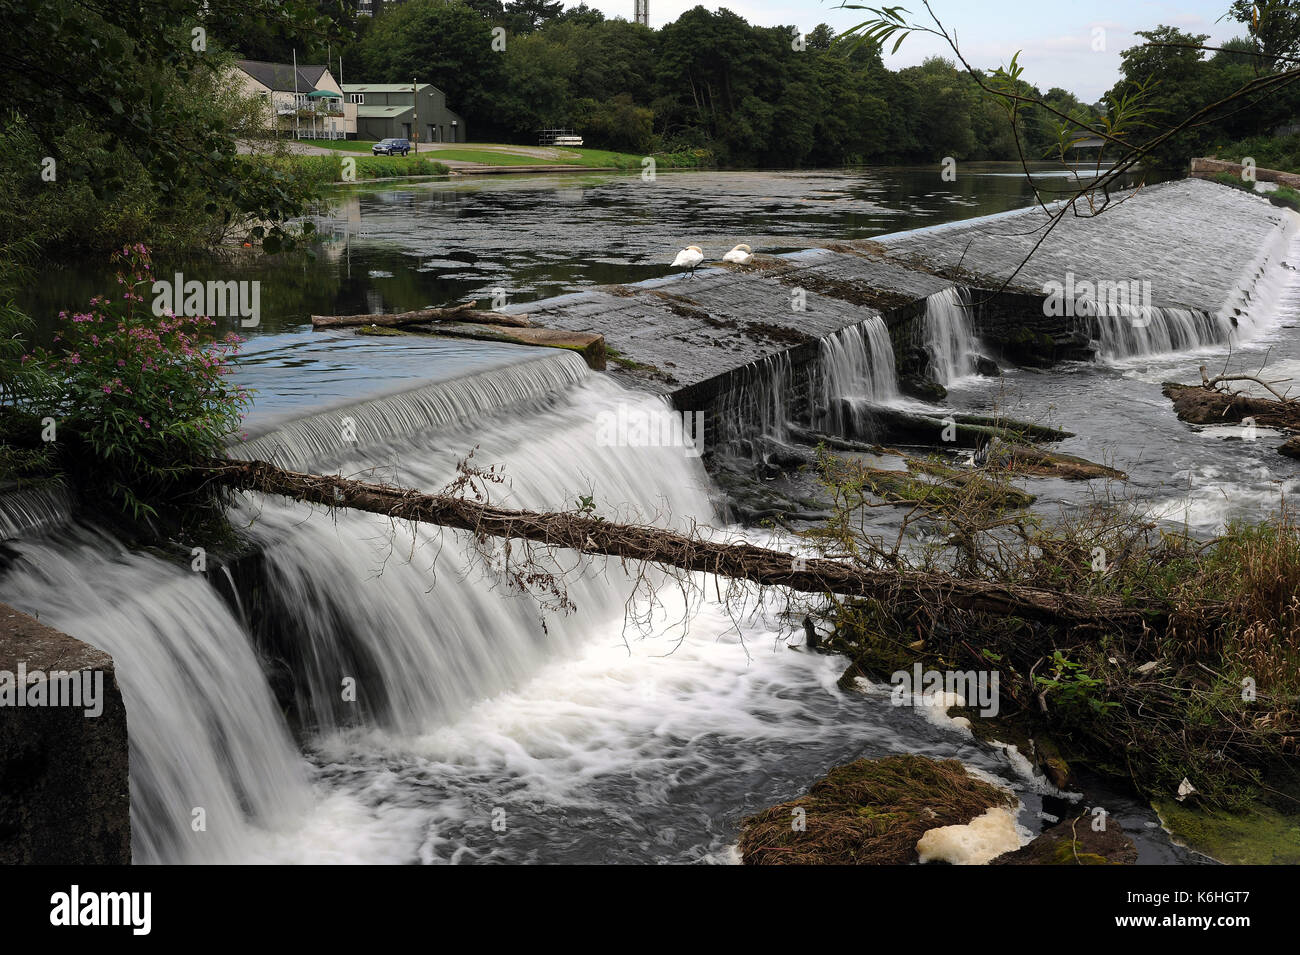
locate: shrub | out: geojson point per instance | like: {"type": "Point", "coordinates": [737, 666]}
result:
{"type": "Point", "coordinates": [141, 397]}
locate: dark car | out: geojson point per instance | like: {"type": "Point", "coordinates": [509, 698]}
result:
{"type": "Point", "coordinates": [391, 147]}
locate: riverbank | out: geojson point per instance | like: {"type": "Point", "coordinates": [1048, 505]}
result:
{"type": "Point", "coordinates": [477, 156]}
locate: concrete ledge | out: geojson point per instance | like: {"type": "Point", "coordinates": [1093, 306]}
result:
{"type": "Point", "coordinates": [1209, 168]}
{"type": "Point", "coordinates": [65, 798]}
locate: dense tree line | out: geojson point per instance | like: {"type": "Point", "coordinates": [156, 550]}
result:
{"type": "Point", "coordinates": [131, 135]}
{"type": "Point", "coordinates": [753, 95]}
{"type": "Point", "coordinates": [1175, 79]}
{"type": "Point", "coordinates": [769, 96]}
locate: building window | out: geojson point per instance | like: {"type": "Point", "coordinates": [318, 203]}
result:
{"type": "Point", "coordinates": [358, 98]}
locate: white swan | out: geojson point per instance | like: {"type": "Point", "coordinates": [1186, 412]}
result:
{"type": "Point", "coordinates": [741, 255]}
{"type": "Point", "coordinates": [689, 258]}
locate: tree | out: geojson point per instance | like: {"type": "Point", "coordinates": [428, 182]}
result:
{"type": "Point", "coordinates": [1274, 25]}
{"type": "Point", "coordinates": [446, 44]}
{"type": "Point", "coordinates": [127, 87]}
{"type": "Point", "coordinates": [528, 15]}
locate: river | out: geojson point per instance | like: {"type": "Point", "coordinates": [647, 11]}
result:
{"type": "Point", "coordinates": [480, 730]}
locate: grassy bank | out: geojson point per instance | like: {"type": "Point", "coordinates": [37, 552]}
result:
{"type": "Point", "coordinates": [320, 171]}
{"type": "Point", "coordinates": [497, 154]}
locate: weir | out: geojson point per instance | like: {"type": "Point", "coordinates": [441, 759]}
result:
{"type": "Point", "coordinates": [342, 691]}
{"type": "Point", "coordinates": [1197, 249]}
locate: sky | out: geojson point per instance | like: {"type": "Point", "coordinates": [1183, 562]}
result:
{"type": "Point", "coordinates": [1056, 37]}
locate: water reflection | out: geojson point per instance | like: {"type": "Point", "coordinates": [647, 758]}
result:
{"type": "Point", "coordinates": [386, 247]}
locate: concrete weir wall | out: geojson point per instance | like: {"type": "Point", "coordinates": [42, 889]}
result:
{"type": "Point", "coordinates": [1194, 241]}
{"type": "Point", "coordinates": [700, 339]}
{"type": "Point", "coordinates": [64, 791]}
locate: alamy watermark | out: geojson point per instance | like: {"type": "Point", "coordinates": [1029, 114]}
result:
{"type": "Point", "coordinates": [975, 687]}
{"type": "Point", "coordinates": [1126, 299]}
{"type": "Point", "coordinates": [634, 427]}
{"type": "Point", "coordinates": [81, 689]}
{"type": "Point", "coordinates": [230, 299]}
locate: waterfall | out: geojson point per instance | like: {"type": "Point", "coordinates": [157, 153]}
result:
{"type": "Point", "coordinates": [1129, 331]}
{"type": "Point", "coordinates": [297, 443]}
{"type": "Point", "coordinates": [419, 626]}
{"type": "Point", "coordinates": [33, 509]}
{"type": "Point", "coordinates": [205, 733]}
{"type": "Point", "coordinates": [405, 618]}
{"type": "Point", "coordinates": [855, 370]}
{"type": "Point", "coordinates": [757, 403]}
{"type": "Point", "coordinates": [949, 337]}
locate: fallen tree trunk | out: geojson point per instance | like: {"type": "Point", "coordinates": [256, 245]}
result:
{"type": "Point", "coordinates": [645, 544]}
{"type": "Point", "coordinates": [939, 428]}
{"type": "Point", "coordinates": [1206, 404]}
{"type": "Point", "coordinates": [458, 313]}
{"type": "Point", "coordinates": [1201, 405]}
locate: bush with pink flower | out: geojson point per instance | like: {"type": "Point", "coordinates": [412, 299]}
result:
{"type": "Point", "coordinates": [141, 397]}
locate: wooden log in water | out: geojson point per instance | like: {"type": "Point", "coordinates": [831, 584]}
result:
{"type": "Point", "coordinates": [466, 312]}
{"type": "Point", "coordinates": [1201, 405]}
{"type": "Point", "coordinates": [590, 345]}
{"type": "Point", "coordinates": [954, 430]}
{"type": "Point", "coordinates": [642, 544]}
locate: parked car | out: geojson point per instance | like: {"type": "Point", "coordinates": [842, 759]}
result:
{"type": "Point", "coordinates": [391, 147]}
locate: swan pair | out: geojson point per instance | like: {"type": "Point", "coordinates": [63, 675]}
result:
{"type": "Point", "coordinates": [691, 257]}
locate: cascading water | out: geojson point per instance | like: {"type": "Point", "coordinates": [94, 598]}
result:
{"type": "Point", "coordinates": [1130, 328]}
{"type": "Point", "coordinates": [756, 407]}
{"type": "Point", "coordinates": [949, 335]}
{"type": "Point", "coordinates": [435, 704]}
{"type": "Point", "coordinates": [205, 732]}
{"type": "Point", "coordinates": [855, 370]}
{"type": "Point", "coordinates": [32, 509]}
{"type": "Point", "coordinates": [304, 439]}
{"type": "Point", "coordinates": [431, 632]}
{"type": "Point", "coordinates": [1128, 331]}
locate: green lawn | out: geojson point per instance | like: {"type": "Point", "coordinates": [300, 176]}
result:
{"type": "Point", "coordinates": [475, 152]}
{"type": "Point", "coordinates": [345, 145]}
{"type": "Point", "coordinates": [490, 158]}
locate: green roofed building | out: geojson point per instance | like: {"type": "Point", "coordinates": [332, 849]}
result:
{"type": "Point", "coordinates": [393, 111]}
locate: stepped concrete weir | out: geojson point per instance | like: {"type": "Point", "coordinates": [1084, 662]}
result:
{"type": "Point", "coordinates": [1165, 268]}
{"type": "Point", "coordinates": [219, 678]}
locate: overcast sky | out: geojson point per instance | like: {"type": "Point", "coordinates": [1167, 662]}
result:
{"type": "Point", "coordinates": [1056, 36]}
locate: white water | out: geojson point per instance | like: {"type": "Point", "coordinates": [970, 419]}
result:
{"type": "Point", "coordinates": [949, 335]}
{"type": "Point", "coordinates": [855, 370]}
{"type": "Point", "coordinates": [32, 509]}
{"type": "Point", "coordinates": [205, 732]}
{"type": "Point", "coordinates": [1125, 332]}
{"type": "Point", "coordinates": [415, 622]}
{"type": "Point", "coordinates": [858, 362]}
{"type": "Point", "coordinates": [295, 444]}
{"type": "Point", "coordinates": [597, 742]}
{"type": "Point", "coordinates": [601, 736]}
{"type": "Point", "coordinates": [757, 403]}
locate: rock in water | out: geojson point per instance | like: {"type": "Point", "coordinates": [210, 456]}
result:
{"type": "Point", "coordinates": [870, 812]}
{"type": "Point", "coordinates": [1076, 842]}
